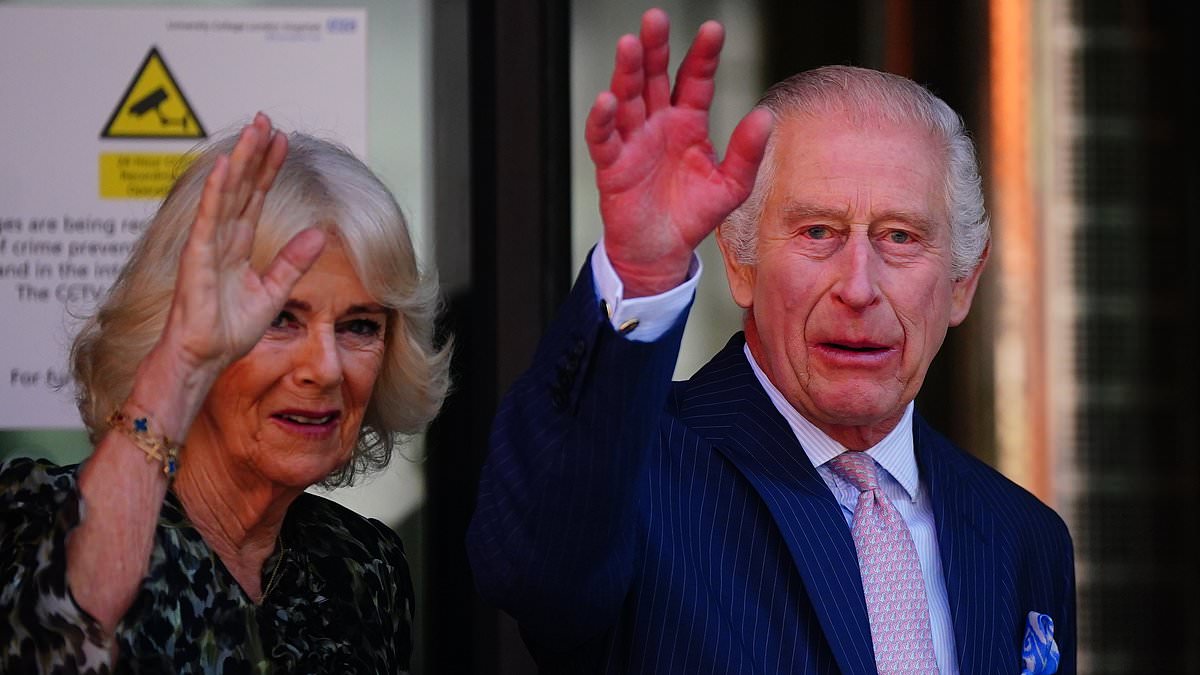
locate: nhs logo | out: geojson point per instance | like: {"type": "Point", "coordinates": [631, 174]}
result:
{"type": "Point", "coordinates": [341, 24]}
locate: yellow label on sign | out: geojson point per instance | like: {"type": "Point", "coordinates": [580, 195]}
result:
{"type": "Point", "coordinates": [140, 175]}
{"type": "Point", "coordinates": [153, 106]}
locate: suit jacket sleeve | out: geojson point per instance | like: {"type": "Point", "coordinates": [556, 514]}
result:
{"type": "Point", "coordinates": [553, 537]}
{"type": "Point", "coordinates": [1067, 637]}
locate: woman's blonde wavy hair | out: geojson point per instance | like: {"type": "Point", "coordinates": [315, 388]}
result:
{"type": "Point", "coordinates": [320, 183]}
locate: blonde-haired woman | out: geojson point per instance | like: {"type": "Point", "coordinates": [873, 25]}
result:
{"type": "Point", "coordinates": [271, 331]}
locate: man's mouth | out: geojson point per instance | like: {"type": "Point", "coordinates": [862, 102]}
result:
{"type": "Point", "coordinates": [857, 347]}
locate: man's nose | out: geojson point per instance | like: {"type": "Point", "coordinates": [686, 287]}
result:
{"type": "Point", "coordinates": [318, 361]}
{"type": "Point", "coordinates": [857, 284]}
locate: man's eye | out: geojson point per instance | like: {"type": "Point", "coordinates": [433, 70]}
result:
{"type": "Point", "coordinates": [899, 237]}
{"type": "Point", "coordinates": [818, 232]}
{"type": "Point", "coordinates": [362, 327]}
{"type": "Point", "coordinates": [283, 319]}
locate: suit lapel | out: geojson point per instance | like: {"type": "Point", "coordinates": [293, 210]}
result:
{"type": "Point", "coordinates": [725, 403]}
{"type": "Point", "coordinates": [972, 560]}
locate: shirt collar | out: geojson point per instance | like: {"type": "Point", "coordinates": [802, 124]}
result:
{"type": "Point", "coordinates": [894, 453]}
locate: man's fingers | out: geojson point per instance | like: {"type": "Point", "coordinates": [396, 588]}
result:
{"type": "Point", "coordinates": [694, 83]}
{"type": "Point", "coordinates": [745, 151]}
{"type": "Point", "coordinates": [604, 145]}
{"type": "Point", "coordinates": [292, 261]}
{"type": "Point", "coordinates": [627, 84]}
{"type": "Point", "coordinates": [656, 56]}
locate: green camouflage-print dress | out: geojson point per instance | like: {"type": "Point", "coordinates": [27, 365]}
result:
{"type": "Point", "coordinates": [339, 595]}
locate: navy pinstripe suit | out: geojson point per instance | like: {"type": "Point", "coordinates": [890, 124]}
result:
{"type": "Point", "coordinates": [632, 525]}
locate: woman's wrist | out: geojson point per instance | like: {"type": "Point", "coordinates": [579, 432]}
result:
{"type": "Point", "coordinates": [143, 430]}
{"type": "Point", "coordinates": [171, 389]}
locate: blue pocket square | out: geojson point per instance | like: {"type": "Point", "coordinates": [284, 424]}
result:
{"type": "Point", "coordinates": [1039, 652]}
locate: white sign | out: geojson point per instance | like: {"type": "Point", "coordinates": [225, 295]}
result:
{"type": "Point", "coordinates": [97, 106]}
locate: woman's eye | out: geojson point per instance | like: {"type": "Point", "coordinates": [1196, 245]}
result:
{"type": "Point", "coordinates": [362, 327]}
{"type": "Point", "coordinates": [283, 319]}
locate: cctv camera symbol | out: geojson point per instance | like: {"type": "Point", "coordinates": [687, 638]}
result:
{"type": "Point", "coordinates": [149, 102]}
{"type": "Point", "coordinates": [153, 102]}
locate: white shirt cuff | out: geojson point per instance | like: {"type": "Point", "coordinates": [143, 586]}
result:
{"type": "Point", "coordinates": [642, 319]}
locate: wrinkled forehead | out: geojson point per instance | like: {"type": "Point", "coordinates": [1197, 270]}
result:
{"type": "Point", "coordinates": [834, 128]}
{"type": "Point", "coordinates": [858, 166]}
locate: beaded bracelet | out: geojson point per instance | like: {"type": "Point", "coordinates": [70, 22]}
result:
{"type": "Point", "coordinates": [157, 448]}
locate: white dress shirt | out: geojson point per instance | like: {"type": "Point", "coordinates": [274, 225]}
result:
{"type": "Point", "coordinates": [895, 455]}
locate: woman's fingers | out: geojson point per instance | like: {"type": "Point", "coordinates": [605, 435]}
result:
{"type": "Point", "coordinates": [247, 223]}
{"type": "Point", "coordinates": [242, 154]}
{"type": "Point", "coordinates": [292, 261]}
{"type": "Point", "coordinates": [276, 151]}
{"type": "Point", "coordinates": [209, 211]}
{"type": "Point", "coordinates": [257, 158]}
{"type": "Point", "coordinates": [246, 161]}
{"type": "Point", "coordinates": [240, 238]}
{"type": "Point", "coordinates": [235, 190]}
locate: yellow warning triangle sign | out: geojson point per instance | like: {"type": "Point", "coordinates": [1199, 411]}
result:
{"type": "Point", "coordinates": [153, 106]}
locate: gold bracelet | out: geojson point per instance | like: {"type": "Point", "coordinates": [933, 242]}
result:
{"type": "Point", "coordinates": [158, 448]}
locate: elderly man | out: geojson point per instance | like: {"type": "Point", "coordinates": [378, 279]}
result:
{"type": "Point", "coordinates": [785, 510]}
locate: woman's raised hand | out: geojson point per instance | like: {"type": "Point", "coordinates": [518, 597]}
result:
{"type": "Point", "coordinates": [662, 188]}
{"type": "Point", "coordinates": [222, 305]}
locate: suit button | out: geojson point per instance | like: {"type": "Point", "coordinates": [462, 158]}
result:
{"type": "Point", "coordinates": [578, 349]}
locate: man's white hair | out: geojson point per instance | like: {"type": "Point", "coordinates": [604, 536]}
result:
{"type": "Point", "coordinates": [863, 95]}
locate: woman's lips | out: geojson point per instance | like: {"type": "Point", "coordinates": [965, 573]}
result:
{"type": "Point", "coordinates": [310, 423]}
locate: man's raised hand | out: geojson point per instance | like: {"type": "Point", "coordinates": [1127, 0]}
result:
{"type": "Point", "coordinates": [662, 188]}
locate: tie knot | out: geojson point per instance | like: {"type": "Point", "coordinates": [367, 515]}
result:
{"type": "Point", "coordinates": [858, 469]}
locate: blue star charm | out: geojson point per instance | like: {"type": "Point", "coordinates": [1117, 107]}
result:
{"type": "Point", "coordinates": [140, 425]}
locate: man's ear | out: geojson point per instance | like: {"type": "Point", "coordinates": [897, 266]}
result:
{"type": "Point", "coordinates": [739, 275]}
{"type": "Point", "coordinates": [963, 290]}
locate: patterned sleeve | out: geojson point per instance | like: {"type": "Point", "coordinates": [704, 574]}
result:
{"type": "Point", "coordinates": [398, 585]}
{"type": "Point", "coordinates": [42, 629]}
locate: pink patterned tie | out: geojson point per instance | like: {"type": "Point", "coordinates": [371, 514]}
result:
{"type": "Point", "coordinates": [891, 574]}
